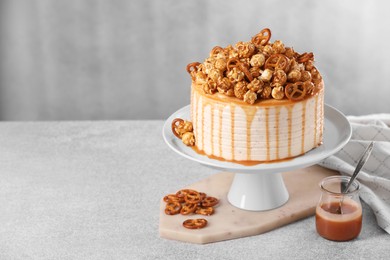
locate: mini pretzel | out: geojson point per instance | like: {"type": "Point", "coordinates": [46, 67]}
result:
{"type": "Point", "coordinates": [172, 208]}
{"type": "Point", "coordinates": [192, 197]}
{"type": "Point", "coordinates": [202, 195]}
{"type": "Point", "coordinates": [236, 63]}
{"type": "Point", "coordinates": [210, 202]}
{"type": "Point", "coordinates": [174, 125]}
{"type": "Point", "coordinates": [182, 193]}
{"type": "Point", "coordinates": [305, 57]}
{"type": "Point", "coordinates": [195, 223]}
{"type": "Point", "coordinates": [192, 67]}
{"type": "Point", "coordinates": [244, 69]}
{"type": "Point", "coordinates": [262, 38]}
{"type": "Point", "coordinates": [207, 211]}
{"type": "Point", "coordinates": [173, 198]}
{"type": "Point", "coordinates": [216, 50]}
{"type": "Point", "coordinates": [188, 208]}
{"type": "Point", "coordinates": [295, 91]}
{"type": "Point", "coordinates": [232, 63]}
{"type": "Point", "coordinates": [277, 61]}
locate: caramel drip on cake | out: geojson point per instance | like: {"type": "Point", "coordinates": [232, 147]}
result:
{"type": "Point", "coordinates": [267, 131]}
{"type": "Point", "coordinates": [303, 126]}
{"type": "Point", "coordinates": [315, 121]}
{"type": "Point", "coordinates": [220, 109]}
{"type": "Point", "coordinates": [289, 130]}
{"type": "Point", "coordinates": [250, 114]}
{"type": "Point", "coordinates": [232, 128]}
{"type": "Point", "coordinates": [277, 114]}
{"type": "Point", "coordinates": [322, 118]}
{"type": "Point", "coordinates": [212, 128]}
{"type": "Point", "coordinates": [203, 105]}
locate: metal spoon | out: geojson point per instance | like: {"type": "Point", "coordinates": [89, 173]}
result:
{"type": "Point", "coordinates": [359, 166]}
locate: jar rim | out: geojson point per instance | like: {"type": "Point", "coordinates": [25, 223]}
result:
{"type": "Point", "coordinates": [355, 184]}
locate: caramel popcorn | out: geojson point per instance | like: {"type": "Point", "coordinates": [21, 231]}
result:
{"type": "Point", "coordinates": [278, 47]}
{"type": "Point", "coordinates": [236, 75]}
{"type": "Point", "coordinates": [240, 89]}
{"type": "Point", "coordinates": [188, 139]}
{"type": "Point", "coordinates": [294, 75]}
{"type": "Point", "coordinates": [256, 86]}
{"type": "Point", "coordinates": [290, 53]}
{"type": "Point", "coordinates": [250, 97]}
{"type": "Point", "coordinates": [266, 93]}
{"type": "Point", "coordinates": [305, 76]}
{"type": "Point", "coordinates": [309, 87]}
{"type": "Point", "coordinates": [214, 75]}
{"type": "Point", "coordinates": [266, 75]}
{"type": "Point", "coordinates": [220, 64]}
{"type": "Point", "coordinates": [256, 70]}
{"type": "Point", "coordinates": [210, 87]}
{"type": "Point", "coordinates": [267, 50]}
{"type": "Point", "coordinates": [184, 130]}
{"type": "Point", "coordinates": [245, 49]}
{"type": "Point", "coordinates": [280, 77]}
{"type": "Point", "coordinates": [257, 60]}
{"type": "Point", "coordinates": [278, 92]}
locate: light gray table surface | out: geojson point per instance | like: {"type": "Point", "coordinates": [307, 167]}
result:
{"type": "Point", "coordinates": [92, 189]}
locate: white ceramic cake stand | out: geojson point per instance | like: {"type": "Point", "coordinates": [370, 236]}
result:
{"type": "Point", "coordinates": [261, 187]}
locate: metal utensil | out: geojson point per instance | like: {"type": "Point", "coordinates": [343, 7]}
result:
{"type": "Point", "coordinates": [359, 166]}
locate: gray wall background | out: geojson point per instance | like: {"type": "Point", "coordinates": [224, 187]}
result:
{"type": "Point", "coordinates": [96, 59]}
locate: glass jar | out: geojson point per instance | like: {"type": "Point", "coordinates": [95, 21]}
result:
{"type": "Point", "coordinates": [338, 214]}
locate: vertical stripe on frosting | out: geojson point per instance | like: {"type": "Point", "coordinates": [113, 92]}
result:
{"type": "Point", "coordinates": [250, 113]}
{"type": "Point", "coordinates": [303, 133]}
{"type": "Point", "coordinates": [207, 125]}
{"type": "Point", "coordinates": [267, 130]}
{"type": "Point", "coordinates": [315, 119]}
{"type": "Point", "coordinates": [277, 132]}
{"type": "Point", "coordinates": [220, 109]}
{"type": "Point", "coordinates": [289, 118]}
{"type": "Point", "coordinates": [226, 137]}
{"type": "Point", "coordinates": [296, 129]}
{"type": "Point", "coordinates": [199, 123]}
{"type": "Point", "coordinates": [232, 125]}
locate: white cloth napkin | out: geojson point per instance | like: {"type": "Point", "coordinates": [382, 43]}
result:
{"type": "Point", "coordinates": [375, 175]}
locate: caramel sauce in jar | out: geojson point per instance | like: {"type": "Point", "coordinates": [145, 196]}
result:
{"type": "Point", "coordinates": [338, 215]}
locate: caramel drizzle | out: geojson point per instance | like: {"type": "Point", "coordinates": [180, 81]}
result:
{"type": "Point", "coordinates": [232, 129]}
{"type": "Point", "coordinates": [250, 114]}
{"type": "Point", "coordinates": [267, 131]}
{"type": "Point", "coordinates": [289, 129]}
{"type": "Point", "coordinates": [303, 125]}
{"type": "Point", "coordinates": [203, 105]}
{"type": "Point", "coordinates": [212, 129]}
{"type": "Point", "coordinates": [277, 114]}
{"type": "Point", "coordinates": [315, 120]}
{"type": "Point", "coordinates": [220, 130]}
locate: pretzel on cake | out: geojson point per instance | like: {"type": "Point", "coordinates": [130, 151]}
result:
{"type": "Point", "coordinates": [295, 91]}
{"type": "Point", "coordinates": [262, 38]}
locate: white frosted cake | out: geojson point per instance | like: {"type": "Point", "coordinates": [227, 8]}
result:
{"type": "Point", "coordinates": [254, 102]}
{"type": "Point", "coordinates": [230, 129]}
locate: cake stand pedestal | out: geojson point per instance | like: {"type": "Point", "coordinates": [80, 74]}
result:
{"type": "Point", "coordinates": [257, 191]}
{"type": "Point", "coordinates": [261, 187]}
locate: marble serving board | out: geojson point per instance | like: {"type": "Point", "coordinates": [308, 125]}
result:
{"type": "Point", "coordinates": [229, 222]}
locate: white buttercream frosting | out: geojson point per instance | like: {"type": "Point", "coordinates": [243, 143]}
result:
{"type": "Point", "coordinates": [269, 130]}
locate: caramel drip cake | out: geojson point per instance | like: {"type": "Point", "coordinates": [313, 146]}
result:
{"type": "Point", "coordinates": [254, 102]}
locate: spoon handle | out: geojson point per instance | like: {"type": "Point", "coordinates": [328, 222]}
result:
{"type": "Point", "coordinates": [360, 164]}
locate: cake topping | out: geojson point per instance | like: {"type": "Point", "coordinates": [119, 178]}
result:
{"type": "Point", "coordinates": [257, 70]}
{"type": "Point", "coordinates": [183, 130]}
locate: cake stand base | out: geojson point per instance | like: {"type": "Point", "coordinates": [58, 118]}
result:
{"type": "Point", "coordinates": [257, 191]}
{"type": "Point", "coordinates": [230, 222]}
